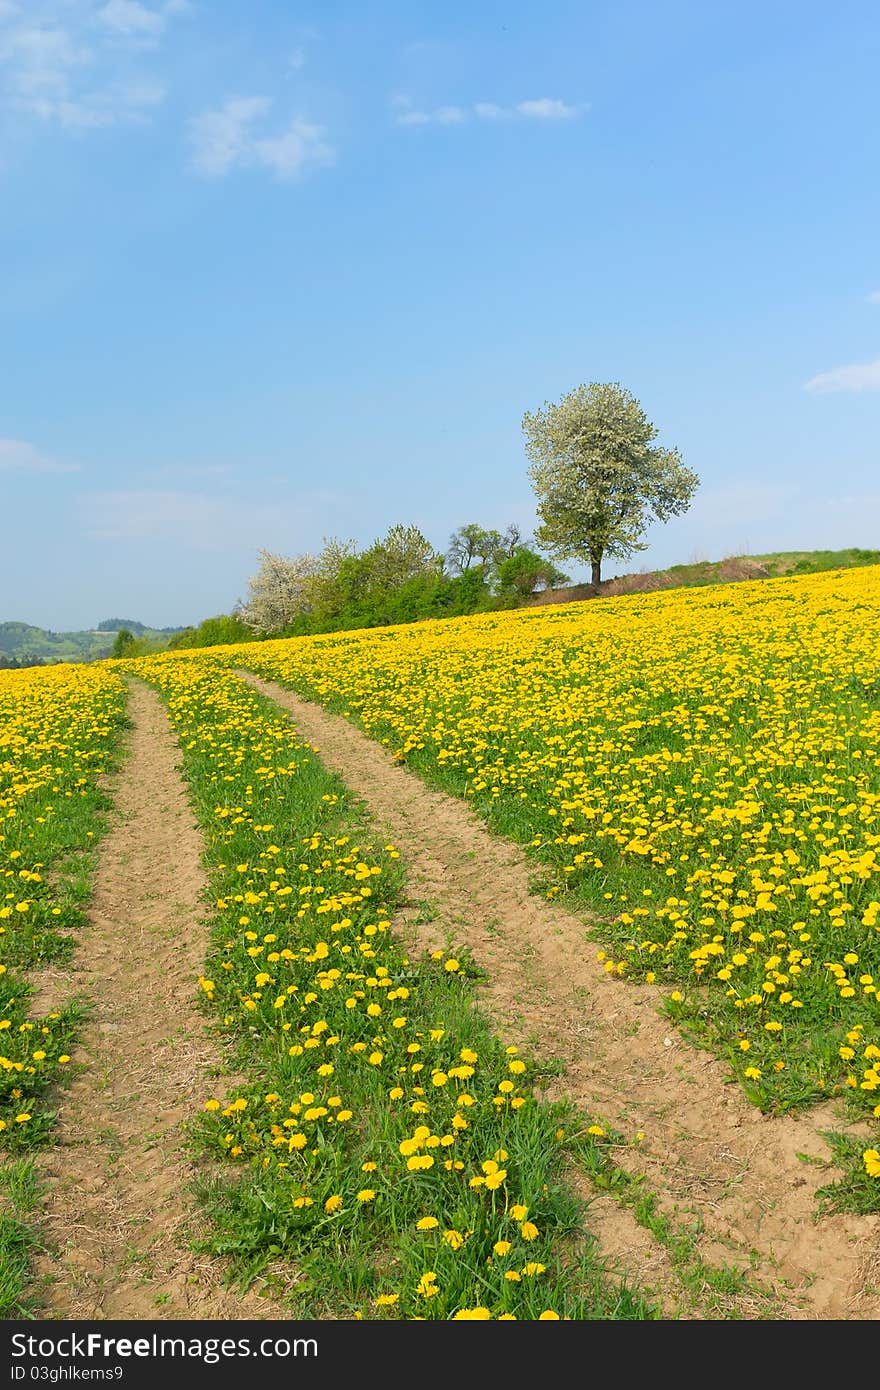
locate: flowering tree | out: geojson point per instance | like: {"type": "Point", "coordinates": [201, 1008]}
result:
{"type": "Point", "coordinates": [279, 591]}
{"type": "Point", "coordinates": [599, 477]}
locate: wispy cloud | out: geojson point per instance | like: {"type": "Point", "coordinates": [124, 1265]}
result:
{"type": "Point", "coordinates": [196, 519]}
{"type": "Point", "coordinates": [220, 139]}
{"type": "Point", "coordinates": [17, 456]}
{"type": "Point", "coordinates": [449, 115]}
{"type": "Point", "coordinates": [539, 109]}
{"type": "Point", "coordinates": [229, 139]}
{"type": "Point", "coordinates": [444, 115]}
{"type": "Point", "coordinates": [131, 19]}
{"type": "Point", "coordinates": [79, 64]}
{"type": "Point", "coordinates": [861, 376]}
{"type": "Point", "coordinates": [873, 297]}
{"type": "Point", "coordinates": [202, 520]}
{"type": "Point", "coordinates": [741, 503]}
{"type": "Point", "coordinates": [193, 470]}
{"type": "Point", "coordinates": [547, 109]}
{"type": "Point", "coordinates": [489, 111]}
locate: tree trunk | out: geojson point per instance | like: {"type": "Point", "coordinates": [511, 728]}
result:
{"type": "Point", "coordinates": [596, 576]}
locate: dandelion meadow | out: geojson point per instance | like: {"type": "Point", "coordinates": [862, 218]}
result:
{"type": "Point", "coordinates": [58, 733]}
{"type": "Point", "coordinates": [695, 773]}
{"type": "Point", "coordinates": [385, 1139]}
{"type": "Point", "coordinates": [700, 767]}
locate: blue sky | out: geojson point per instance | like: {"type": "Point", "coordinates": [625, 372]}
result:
{"type": "Point", "coordinates": [270, 272]}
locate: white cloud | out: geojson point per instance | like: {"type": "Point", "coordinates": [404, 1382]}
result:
{"type": "Point", "coordinates": [861, 376]}
{"type": "Point", "coordinates": [17, 456]}
{"type": "Point", "coordinates": [287, 154]}
{"type": "Point", "coordinates": [450, 115]}
{"type": "Point", "coordinates": [297, 56]}
{"type": "Point", "coordinates": [225, 140]}
{"type": "Point", "coordinates": [873, 297]}
{"type": "Point", "coordinates": [40, 65]}
{"type": "Point", "coordinates": [413, 118]}
{"type": "Point", "coordinates": [130, 18]}
{"type": "Point", "coordinates": [488, 111]}
{"type": "Point", "coordinates": [121, 102]}
{"type": "Point", "coordinates": [78, 64]}
{"type": "Point", "coordinates": [444, 115]}
{"type": "Point", "coordinates": [220, 138]}
{"type": "Point", "coordinates": [547, 109]}
{"type": "Point", "coordinates": [406, 113]}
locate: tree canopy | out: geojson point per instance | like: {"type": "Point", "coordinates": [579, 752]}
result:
{"type": "Point", "coordinates": [399, 578]}
{"type": "Point", "coordinates": [599, 477]}
{"type": "Point", "coordinates": [474, 544]}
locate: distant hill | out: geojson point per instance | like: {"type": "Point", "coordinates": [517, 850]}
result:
{"type": "Point", "coordinates": [727, 571]}
{"type": "Point", "coordinates": [135, 628]}
{"type": "Point", "coordinates": [115, 624]}
{"type": "Point", "coordinates": [25, 645]}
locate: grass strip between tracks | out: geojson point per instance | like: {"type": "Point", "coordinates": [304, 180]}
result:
{"type": "Point", "coordinates": [59, 733]}
{"type": "Point", "coordinates": [385, 1140]}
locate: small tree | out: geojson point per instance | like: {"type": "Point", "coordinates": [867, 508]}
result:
{"type": "Point", "coordinates": [279, 592]}
{"type": "Point", "coordinates": [329, 589]}
{"type": "Point", "coordinates": [464, 547]}
{"type": "Point", "coordinates": [402, 554]}
{"type": "Point", "coordinates": [473, 544]}
{"type": "Point", "coordinates": [599, 478]}
{"type": "Point", "coordinates": [512, 541]}
{"type": "Point", "coordinates": [525, 571]}
{"type": "Point", "coordinates": [123, 643]}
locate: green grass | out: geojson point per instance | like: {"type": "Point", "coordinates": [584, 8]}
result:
{"type": "Point", "coordinates": [55, 745]}
{"type": "Point", "coordinates": [813, 1036]}
{"type": "Point", "coordinates": [774, 564]}
{"type": "Point", "coordinates": [351, 1050]}
{"type": "Point", "coordinates": [856, 1191]}
{"type": "Point", "coordinates": [19, 1201]}
{"type": "Point", "coordinates": [748, 748]}
{"type": "Point", "coordinates": [780, 562]}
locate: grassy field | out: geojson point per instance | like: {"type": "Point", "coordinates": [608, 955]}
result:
{"type": "Point", "coordinates": [696, 772]}
{"type": "Point", "coordinates": [731, 569]}
{"type": "Point", "coordinates": [58, 733]}
{"type": "Point", "coordinates": [781, 562]}
{"type": "Point", "coordinates": [385, 1140]}
{"type": "Point", "coordinates": [770, 566]}
{"type": "Point", "coordinates": [699, 767]}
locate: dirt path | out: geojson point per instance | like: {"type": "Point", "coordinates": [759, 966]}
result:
{"type": "Point", "coordinates": [709, 1155]}
{"type": "Point", "coordinates": [118, 1206]}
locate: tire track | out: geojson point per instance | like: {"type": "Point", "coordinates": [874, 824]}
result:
{"type": "Point", "coordinates": [117, 1214]}
{"type": "Point", "coordinates": [711, 1157]}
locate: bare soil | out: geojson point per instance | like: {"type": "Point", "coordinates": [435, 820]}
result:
{"type": "Point", "coordinates": [730, 571]}
{"type": "Point", "coordinates": [118, 1212]}
{"type": "Point", "coordinates": [724, 1170]}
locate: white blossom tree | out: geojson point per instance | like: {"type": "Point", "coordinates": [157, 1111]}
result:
{"type": "Point", "coordinates": [599, 477]}
{"type": "Point", "coordinates": [280, 591]}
